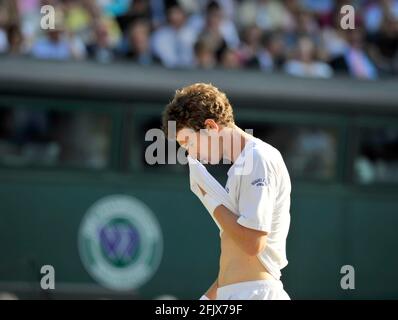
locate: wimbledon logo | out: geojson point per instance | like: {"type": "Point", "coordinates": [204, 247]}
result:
{"type": "Point", "coordinates": [120, 242]}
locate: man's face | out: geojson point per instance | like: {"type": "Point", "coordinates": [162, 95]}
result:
{"type": "Point", "coordinates": [204, 145]}
{"type": "Point", "coordinates": [54, 35]}
{"type": "Point", "coordinates": [176, 17]}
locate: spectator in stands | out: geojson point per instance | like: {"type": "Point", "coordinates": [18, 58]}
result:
{"type": "Point", "coordinates": [355, 59]}
{"type": "Point", "coordinates": [9, 25]}
{"type": "Point", "coordinates": [271, 56]}
{"type": "Point", "coordinates": [173, 43]}
{"type": "Point", "coordinates": [250, 46]}
{"type": "Point", "coordinates": [292, 11]}
{"type": "Point", "coordinates": [101, 48]}
{"type": "Point", "coordinates": [306, 25]}
{"type": "Point", "coordinates": [77, 17]}
{"type": "Point", "coordinates": [265, 14]}
{"type": "Point", "coordinates": [332, 37]}
{"type": "Point", "coordinates": [84, 18]}
{"type": "Point", "coordinates": [15, 40]}
{"type": "Point", "coordinates": [205, 57]}
{"type": "Point", "coordinates": [384, 45]}
{"type": "Point", "coordinates": [57, 45]}
{"type": "Point", "coordinates": [217, 26]}
{"type": "Point", "coordinates": [230, 59]}
{"type": "Point", "coordinates": [204, 34]}
{"type": "Point", "coordinates": [305, 63]}
{"type": "Point", "coordinates": [212, 32]}
{"type": "Point", "coordinates": [139, 49]}
{"type": "Point", "coordinates": [139, 9]}
{"type": "Point", "coordinates": [30, 15]}
{"type": "Point", "coordinates": [376, 11]}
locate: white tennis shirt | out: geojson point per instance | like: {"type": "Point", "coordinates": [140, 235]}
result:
{"type": "Point", "coordinates": [259, 182]}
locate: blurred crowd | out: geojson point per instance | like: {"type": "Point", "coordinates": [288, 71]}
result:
{"type": "Point", "coordinates": [299, 37]}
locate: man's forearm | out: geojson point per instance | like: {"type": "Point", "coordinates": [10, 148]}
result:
{"type": "Point", "coordinates": [225, 217]}
{"type": "Point", "coordinates": [247, 239]}
{"type": "Point", "coordinates": [229, 224]}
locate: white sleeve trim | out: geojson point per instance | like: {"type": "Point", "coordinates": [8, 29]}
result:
{"type": "Point", "coordinates": [252, 225]}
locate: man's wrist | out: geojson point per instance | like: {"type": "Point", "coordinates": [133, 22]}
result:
{"type": "Point", "coordinates": [210, 203]}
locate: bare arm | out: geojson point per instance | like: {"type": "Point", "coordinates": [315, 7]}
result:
{"type": "Point", "coordinates": [249, 240]}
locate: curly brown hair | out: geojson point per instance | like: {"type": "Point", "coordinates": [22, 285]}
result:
{"type": "Point", "coordinates": [193, 104]}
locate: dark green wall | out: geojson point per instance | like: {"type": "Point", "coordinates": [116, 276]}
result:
{"type": "Point", "coordinates": [331, 226]}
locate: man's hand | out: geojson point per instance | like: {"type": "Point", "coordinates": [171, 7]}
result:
{"type": "Point", "coordinates": [209, 203]}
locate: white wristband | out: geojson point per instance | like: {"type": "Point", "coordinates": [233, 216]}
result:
{"type": "Point", "coordinates": [210, 203]}
{"type": "Point", "coordinates": [204, 298]}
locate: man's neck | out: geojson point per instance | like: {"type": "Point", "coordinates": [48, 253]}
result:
{"type": "Point", "coordinates": [234, 141]}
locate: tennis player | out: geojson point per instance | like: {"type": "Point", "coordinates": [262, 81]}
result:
{"type": "Point", "coordinates": [253, 240]}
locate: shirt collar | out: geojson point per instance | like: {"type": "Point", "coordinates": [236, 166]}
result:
{"type": "Point", "coordinates": [239, 162]}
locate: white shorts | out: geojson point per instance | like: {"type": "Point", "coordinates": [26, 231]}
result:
{"type": "Point", "coordinates": [253, 290]}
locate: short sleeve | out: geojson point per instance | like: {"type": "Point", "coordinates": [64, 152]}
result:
{"type": "Point", "coordinates": [257, 197]}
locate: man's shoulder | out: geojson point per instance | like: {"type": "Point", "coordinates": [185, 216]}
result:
{"type": "Point", "coordinates": [267, 160]}
{"type": "Point", "coordinates": [264, 152]}
{"type": "Point", "coordinates": [257, 156]}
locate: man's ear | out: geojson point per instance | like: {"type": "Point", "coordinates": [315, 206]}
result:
{"type": "Point", "coordinates": [211, 124]}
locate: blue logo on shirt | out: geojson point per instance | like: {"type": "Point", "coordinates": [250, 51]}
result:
{"type": "Point", "coordinates": [260, 182]}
